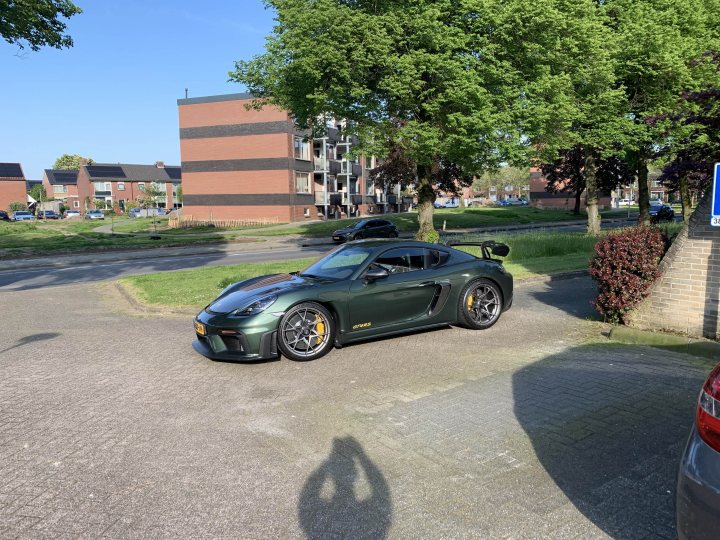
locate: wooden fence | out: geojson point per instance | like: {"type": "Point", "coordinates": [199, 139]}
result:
{"type": "Point", "coordinates": [188, 222]}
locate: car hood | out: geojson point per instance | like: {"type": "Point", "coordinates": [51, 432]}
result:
{"type": "Point", "coordinates": [246, 292]}
{"type": "Point", "coordinates": [344, 231]}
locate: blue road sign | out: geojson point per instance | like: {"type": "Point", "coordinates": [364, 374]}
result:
{"type": "Point", "coordinates": [715, 218]}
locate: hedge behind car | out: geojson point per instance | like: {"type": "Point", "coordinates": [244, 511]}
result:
{"type": "Point", "coordinates": [625, 266]}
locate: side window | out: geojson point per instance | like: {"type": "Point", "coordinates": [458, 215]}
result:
{"type": "Point", "coordinates": [435, 257]}
{"type": "Point", "coordinates": [399, 260]}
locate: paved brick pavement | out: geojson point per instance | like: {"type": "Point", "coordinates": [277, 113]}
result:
{"type": "Point", "coordinates": [110, 426]}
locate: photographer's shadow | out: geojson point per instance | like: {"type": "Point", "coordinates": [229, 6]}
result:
{"type": "Point", "coordinates": [337, 501]}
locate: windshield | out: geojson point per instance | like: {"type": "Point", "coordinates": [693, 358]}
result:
{"type": "Point", "coordinates": [359, 224]}
{"type": "Point", "coordinates": [338, 264]}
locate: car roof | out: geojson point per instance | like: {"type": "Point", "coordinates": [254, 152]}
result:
{"type": "Point", "coordinates": [394, 242]}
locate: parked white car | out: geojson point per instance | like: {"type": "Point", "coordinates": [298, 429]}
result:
{"type": "Point", "coordinates": [625, 202]}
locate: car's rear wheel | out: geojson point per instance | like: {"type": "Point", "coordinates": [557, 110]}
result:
{"type": "Point", "coordinates": [480, 304]}
{"type": "Point", "coordinates": [306, 332]}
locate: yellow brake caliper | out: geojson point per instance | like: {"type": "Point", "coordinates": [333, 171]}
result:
{"type": "Point", "coordinates": [320, 328]}
{"type": "Point", "coordinates": [470, 302]}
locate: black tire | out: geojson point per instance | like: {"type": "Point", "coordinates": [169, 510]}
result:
{"type": "Point", "coordinates": [480, 304]}
{"type": "Point", "coordinates": [306, 332]}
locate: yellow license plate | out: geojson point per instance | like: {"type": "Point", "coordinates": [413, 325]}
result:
{"type": "Point", "coordinates": [199, 328]}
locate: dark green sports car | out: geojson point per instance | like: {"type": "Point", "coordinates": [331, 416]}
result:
{"type": "Point", "coordinates": [358, 291]}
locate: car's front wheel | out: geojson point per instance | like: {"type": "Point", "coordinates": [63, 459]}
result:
{"type": "Point", "coordinates": [306, 332]}
{"type": "Point", "coordinates": [480, 304]}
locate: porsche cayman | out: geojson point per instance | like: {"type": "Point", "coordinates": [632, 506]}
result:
{"type": "Point", "coordinates": [360, 290]}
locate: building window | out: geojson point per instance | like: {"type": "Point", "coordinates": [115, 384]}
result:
{"type": "Point", "coordinates": [302, 149]}
{"type": "Point", "coordinates": [369, 188]}
{"type": "Point", "coordinates": [302, 182]}
{"type": "Point", "coordinates": [76, 204]}
{"type": "Point", "coordinates": [141, 186]}
{"type": "Point", "coordinates": [307, 212]}
{"type": "Point", "coordinates": [121, 186]}
{"type": "Point", "coordinates": [368, 162]}
{"type": "Point", "coordinates": [59, 189]}
{"type": "Point", "coordinates": [108, 186]}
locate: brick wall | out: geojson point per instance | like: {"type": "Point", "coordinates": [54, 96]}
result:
{"type": "Point", "coordinates": [12, 190]}
{"type": "Point", "coordinates": [685, 298]}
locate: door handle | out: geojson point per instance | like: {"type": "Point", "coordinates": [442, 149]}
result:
{"type": "Point", "coordinates": [426, 283]}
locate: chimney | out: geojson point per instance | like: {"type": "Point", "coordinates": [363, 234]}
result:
{"type": "Point", "coordinates": [160, 164]}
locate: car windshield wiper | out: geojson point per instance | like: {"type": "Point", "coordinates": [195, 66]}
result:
{"type": "Point", "coordinates": [311, 276]}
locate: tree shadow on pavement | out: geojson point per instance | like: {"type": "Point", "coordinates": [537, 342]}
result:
{"type": "Point", "coordinates": [346, 497]}
{"type": "Point", "coordinates": [31, 339]}
{"type": "Point", "coordinates": [574, 296]}
{"type": "Point", "coordinates": [609, 423]}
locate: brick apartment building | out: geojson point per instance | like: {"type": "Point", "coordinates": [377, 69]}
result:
{"type": "Point", "coordinates": [12, 185]}
{"type": "Point", "coordinates": [254, 164]}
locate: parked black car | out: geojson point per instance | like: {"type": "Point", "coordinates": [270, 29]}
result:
{"type": "Point", "coordinates": [366, 228]}
{"type": "Point", "coordinates": [660, 213]}
{"type": "Point", "coordinates": [4, 216]}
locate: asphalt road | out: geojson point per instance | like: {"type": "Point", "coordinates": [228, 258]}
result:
{"type": "Point", "coordinates": [87, 273]}
{"type": "Point", "coordinates": [112, 427]}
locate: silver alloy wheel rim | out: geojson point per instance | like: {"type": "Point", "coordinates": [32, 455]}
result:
{"type": "Point", "coordinates": [305, 332]}
{"type": "Point", "coordinates": [485, 305]}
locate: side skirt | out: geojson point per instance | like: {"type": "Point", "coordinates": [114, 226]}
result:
{"type": "Point", "coordinates": [339, 342]}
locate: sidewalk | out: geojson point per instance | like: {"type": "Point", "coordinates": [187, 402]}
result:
{"type": "Point", "coordinates": [251, 244]}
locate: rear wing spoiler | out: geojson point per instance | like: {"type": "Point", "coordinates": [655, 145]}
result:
{"type": "Point", "coordinates": [487, 247]}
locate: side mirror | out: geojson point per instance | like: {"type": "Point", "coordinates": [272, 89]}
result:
{"type": "Point", "coordinates": [375, 272]}
{"type": "Point", "coordinates": [501, 250]}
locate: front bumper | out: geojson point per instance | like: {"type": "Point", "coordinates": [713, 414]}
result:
{"type": "Point", "coordinates": [698, 491]}
{"type": "Point", "coordinates": [223, 341]}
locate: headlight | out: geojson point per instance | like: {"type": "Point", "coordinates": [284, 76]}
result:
{"type": "Point", "coordinates": [258, 306]}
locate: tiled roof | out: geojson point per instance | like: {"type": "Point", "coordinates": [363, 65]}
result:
{"type": "Point", "coordinates": [11, 171]}
{"type": "Point", "coordinates": [61, 177]}
{"type": "Point", "coordinates": [132, 173]}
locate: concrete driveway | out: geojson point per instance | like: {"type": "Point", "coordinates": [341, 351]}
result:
{"type": "Point", "coordinates": [111, 426]}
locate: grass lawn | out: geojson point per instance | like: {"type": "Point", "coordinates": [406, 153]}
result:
{"type": "Point", "coordinates": [531, 255]}
{"type": "Point", "coordinates": [458, 218]}
{"type": "Point", "coordinates": [49, 237]}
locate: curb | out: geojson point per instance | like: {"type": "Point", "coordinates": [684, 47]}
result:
{"type": "Point", "coordinates": [669, 342]}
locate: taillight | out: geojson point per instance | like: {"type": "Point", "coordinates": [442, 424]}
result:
{"type": "Point", "coordinates": [708, 412]}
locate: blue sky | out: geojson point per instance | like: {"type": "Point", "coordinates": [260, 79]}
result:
{"type": "Point", "coordinates": [113, 95]}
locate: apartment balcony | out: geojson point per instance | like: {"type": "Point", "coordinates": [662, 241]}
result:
{"type": "Point", "coordinates": [339, 198]}
{"type": "Point", "coordinates": [320, 164]}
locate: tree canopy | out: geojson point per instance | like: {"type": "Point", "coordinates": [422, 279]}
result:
{"type": "Point", "coordinates": [71, 162]}
{"type": "Point", "coordinates": [36, 23]}
{"type": "Point", "coordinates": [476, 84]}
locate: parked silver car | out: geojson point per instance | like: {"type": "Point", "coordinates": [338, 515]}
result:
{"type": "Point", "coordinates": [23, 215]}
{"type": "Point", "coordinates": [94, 214]}
{"type": "Point", "coordinates": [698, 489]}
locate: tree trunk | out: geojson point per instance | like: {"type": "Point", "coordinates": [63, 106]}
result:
{"type": "Point", "coordinates": [426, 198]}
{"type": "Point", "coordinates": [591, 193]}
{"type": "Point", "coordinates": [643, 190]}
{"type": "Point", "coordinates": [685, 198]}
{"type": "Point", "coordinates": [461, 200]}
{"type": "Point", "coordinates": [578, 198]}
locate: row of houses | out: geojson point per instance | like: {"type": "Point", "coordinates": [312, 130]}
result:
{"type": "Point", "coordinates": [97, 185]}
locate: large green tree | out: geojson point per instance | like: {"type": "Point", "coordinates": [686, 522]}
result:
{"type": "Point", "coordinates": [662, 55]}
{"type": "Point", "coordinates": [575, 102]}
{"type": "Point", "coordinates": [36, 23]}
{"type": "Point", "coordinates": [437, 78]}
{"type": "Point", "coordinates": [71, 162]}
